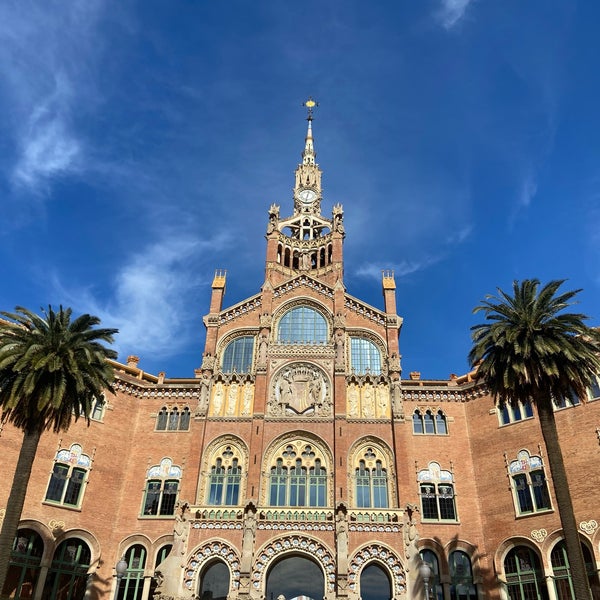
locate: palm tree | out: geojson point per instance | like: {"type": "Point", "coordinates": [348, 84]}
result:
{"type": "Point", "coordinates": [529, 350]}
{"type": "Point", "coordinates": [51, 369]}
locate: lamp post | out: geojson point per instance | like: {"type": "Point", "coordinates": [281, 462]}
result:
{"type": "Point", "coordinates": [121, 569]}
{"type": "Point", "coordinates": [425, 573]}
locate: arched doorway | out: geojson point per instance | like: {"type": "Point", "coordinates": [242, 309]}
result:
{"type": "Point", "coordinates": [295, 577]}
{"type": "Point", "coordinates": [214, 581]}
{"type": "Point", "coordinates": [375, 583]}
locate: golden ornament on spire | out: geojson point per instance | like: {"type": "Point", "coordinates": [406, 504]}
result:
{"type": "Point", "coordinates": [310, 105]}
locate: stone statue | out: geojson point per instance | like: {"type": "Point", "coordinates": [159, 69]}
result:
{"type": "Point", "coordinates": [341, 534]}
{"type": "Point", "coordinates": [218, 399]}
{"type": "Point", "coordinates": [248, 538]}
{"type": "Point", "coordinates": [353, 400]}
{"type": "Point", "coordinates": [339, 347]}
{"type": "Point", "coordinates": [232, 397]}
{"type": "Point", "coordinates": [247, 402]}
{"type": "Point", "coordinates": [367, 402]}
{"type": "Point", "coordinates": [262, 348]}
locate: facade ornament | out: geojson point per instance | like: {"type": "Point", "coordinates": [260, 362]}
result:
{"type": "Point", "coordinates": [338, 219]}
{"type": "Point", "coordinates": [248, 538]}
{"type": "Point", "coordinates": [339, 321]}
{"type": "Point", "coordinates": [208, 362]}
{"type": "Point", "coordinates": [56, 527]}
{"type": "Point", "coordinates": [273, 219]}
{"type": "Point", "coordinates": [588, 526]}
{"type": "Point", "coordinates": [300, 389]}
{"type": "Point", "coordinates": [539, 535]}
{"type": "Point", "coordinates": [265, 320]}
{"type": "Point", "coordinates": [204, 395]}
{"type": "Point", "coordinates": [263, 344]}
{"type": "Point", "coordinates": [397, 404]}
{"type": "Point", "coordinates": [394, 362]}
{"type": "Point", "coordinates": [339, 347]}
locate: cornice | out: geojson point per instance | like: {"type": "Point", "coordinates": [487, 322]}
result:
{"type": "Point", "coordinates": [303, 280]}
{"type": "Point", "coordinates": [365, 310]}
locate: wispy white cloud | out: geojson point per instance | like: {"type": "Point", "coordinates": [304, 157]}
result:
{"type": "Point", "coordinates": [404, 267]}
{"type": "Point", "coordinates": [47, 145]}
{"type": "Point", "coordinates": [451, 12]}
{"type": "Point", "coordinates": [153, 293]}
{"type": "Point", "coordinates": [46, 53]}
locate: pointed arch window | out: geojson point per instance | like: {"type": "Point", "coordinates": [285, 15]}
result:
{"type": "Point", "coordinates": [436, 488]}
{"type": "Point", "coordinates": [371, 482]}
{"type": "Point", "coordinates": [302, 325]}
{"type": "Point", "coordinates": [68, 478]}
{"type": "Point", "coordinates": [224, 480]}
{"type": "Point", "coordinates": [298, 478]}
{"type": "Point", "coordinates": [530, 488]}
{"type": "Point", "coordinates": [162, 487]}
{"type": "Point", "coordinates": [237, 356]}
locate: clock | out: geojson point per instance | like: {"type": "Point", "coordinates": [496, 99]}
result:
{"type": "Point", "coordinates": [306, 196]}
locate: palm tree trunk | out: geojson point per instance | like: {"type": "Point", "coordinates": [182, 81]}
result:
{"type": "Point", "coordinates": [562, 493]}
{"type": "Point", "coordinates": [16, 500]}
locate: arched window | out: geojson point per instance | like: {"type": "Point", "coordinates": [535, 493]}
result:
{"type": "Point", "coordinates": [524, 576]}
{"type": "Point", "coordinates": [68, 476]}
{"type": "Point", "coordinates": [24, 566]}
{"type": "Point", "coordinates": [371, 482]}
{"type": "Point", "coordinates": [67, 577]}
{"type": "Point", "coordinates": [429, 423]}
{"type": "Point", "coordinates": [214, 582]}
{"type": "Point", "coordinates": [298, 478]}
{"type": "Point", "coordinates": [562, 574]}
{"type": "Point", "coordinates": [461, 577]}
{"type": "Point", "coordinates": [375, 583]}
{"type": "Point", "coordinates": [173, 419]}
{"type": "Point", "coordinates": [302, 325]}
{"type": "Point", "coordinates": [237, 356]}
{"type": "Point", "coordinates": [162, 486]}
{"type": "Point", "coordinates": [224, 480]}
{"type": "Point", "coordinates": [131, 586]}
{"type": "Point", "coordinates": [436, 489]}
{"type": "Point", "coordinates": [435, 587]}
{"type": "Point", "coordinates": [530, 488]}
{"type": "Point", "coordinates": [364, 356]}
{"type": "Point", "coordinates": [296, 577]}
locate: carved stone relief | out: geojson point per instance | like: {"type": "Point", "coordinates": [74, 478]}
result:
{"type": "Point", "coordinates": [300, 389]}
{"type": "Point", "coordinates": [232, 399]}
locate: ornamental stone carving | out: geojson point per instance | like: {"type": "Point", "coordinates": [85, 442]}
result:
{"type": "Point", "coordinates": [588, 526]}
{"type": "Point", "coordinates": [539, 535]}
{"type": "Point", "coordinates": [300, 389]}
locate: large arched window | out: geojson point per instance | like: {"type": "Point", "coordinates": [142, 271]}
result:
{"type": "Point", "coordinates": [67, 576]}
{"type": "Point", "coordinates": [302, 325]}
{"type": "Point", "coordinates": [131, 586]}
{"type": "Point", "coordinates": [237, 356]}
{"type": "Point", "coordinates": [297, 477]}
{"type": "Point", "coordinates": [24, 566]}
{"type": "Point", "coordinates": [524, 576]}
{"type": "Point", "coordinates": [364, 356]}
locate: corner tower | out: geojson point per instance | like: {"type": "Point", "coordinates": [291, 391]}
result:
{"type": "Point", "coordinates": [306, 242]}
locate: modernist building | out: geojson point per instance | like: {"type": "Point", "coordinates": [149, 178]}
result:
{"type": "Point", "coordinates": [297, 462]}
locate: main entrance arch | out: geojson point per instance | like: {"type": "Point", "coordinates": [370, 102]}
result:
{"type": "Point", "coordinates": [295, 577]}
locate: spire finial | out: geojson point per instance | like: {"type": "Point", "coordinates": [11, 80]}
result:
{"type": "Point", "coordinates": [310, 105]}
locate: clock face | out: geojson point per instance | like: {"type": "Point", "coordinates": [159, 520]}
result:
{"type": "Point", "coordinates": [306, 196]}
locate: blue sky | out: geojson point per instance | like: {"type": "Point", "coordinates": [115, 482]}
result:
{"type": "Point", "coordinates": [141, 144]}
